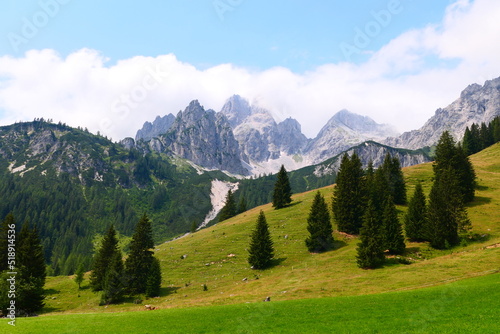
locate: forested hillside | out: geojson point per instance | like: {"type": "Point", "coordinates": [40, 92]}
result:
{"type": "Point", "coordinates": [71, 185]}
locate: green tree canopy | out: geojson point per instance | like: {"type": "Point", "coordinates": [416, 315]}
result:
{"type": "Point", "coordinates": [140, 258]}
{"type": "Point", "coordinates": [282, 195]}
{"type": "Point", "coordinates": [319, 226]}
{"type": "Point", "coordinates": [106, 252]}
{"type": "Point", "coordinates": [349, 195]}
{"type": "Point", "coordinates": [415, 217]}
{"type": "Point", "coordinates": [370, 250]}
{"type": "Point", "coordinates": [261, 250]}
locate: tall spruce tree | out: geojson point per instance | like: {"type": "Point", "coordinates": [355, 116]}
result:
{"type": "Point", "coordinates": [140, 258]}
{"type": "Point", "coordinates": [229, 209]}
{"type": "Point", "coordinates": [153, 285]}
{"type": "Point", "coordinates": [448, 155]}
{"type": "Point", "coordinates": [370, 250]}
{"type": "Point", "coordinates": [415, 218]}
{"type": "Point", "coordinates": [282, 194]}
{"type": "Point", "coordinates": [319, 226]}
{"type": "Point", "coordinates": [100, 266]}
{"type": "Point", "coordinates": [446, 211]}
{"type": "Point", "coordinates": [349, 195]}
{"type": "Point", "coordinates": [31, 272]}
{"type": "Point", "coordinates": [393, 231]}
{"type": "Point", "coordinates": [114, 282]}
{"type": "Point", "coordinates": [261, 250]}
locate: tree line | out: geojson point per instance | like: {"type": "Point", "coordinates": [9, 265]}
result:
{"type": "Point", "coordinates": [480, 136]}
{"type": "Point", "coordinates": [364, 204]}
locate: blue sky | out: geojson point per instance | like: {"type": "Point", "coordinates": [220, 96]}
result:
{"type": "Point", "coordinates": [111, 65]}
{"type": "Point", "coordinates": [296, 34]}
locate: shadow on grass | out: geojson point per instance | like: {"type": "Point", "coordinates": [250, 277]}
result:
{"type": "Point", "coordinates": [49, 292]}
{"type": "Point", "coordinates": [337, 244]}
{"type": "Point", "coordinates": [165, 291]}
{"type": "Point", "coordinates": [481, 187]}
{"type": "Point", "coordinates": [294, 203]}
{"type": "Point", "coordinates": [479, 200]}
{"type": "Point", "coordinates": [277, 262]}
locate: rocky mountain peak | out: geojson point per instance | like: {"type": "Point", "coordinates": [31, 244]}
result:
{"type": "Point", "coordinates": [236, 109]}
{"type": "Point", "coordinates": [476, 104]}
{"type": "Point", "coordinates": [160, 126]}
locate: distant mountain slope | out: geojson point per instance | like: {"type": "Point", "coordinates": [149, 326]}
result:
{"type": "Point", "coordinates": [344, 130]}
{"type": "Point", "coordinates": [160, 126]}
{"type": "Point", "coordinates": [476, 104]}
{"type": "Point", "coordinates": [72, 184]}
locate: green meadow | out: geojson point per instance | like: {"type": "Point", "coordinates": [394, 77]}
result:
{"type": "Point", "coordinates": [449, 291]}
{"type": "Point", "coordinates": [466, 306]}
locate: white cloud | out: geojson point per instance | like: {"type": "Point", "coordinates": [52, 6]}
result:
{"type": "Point", "coordinates": [402, 83]}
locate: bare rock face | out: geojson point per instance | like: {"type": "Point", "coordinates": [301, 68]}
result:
{"type": "Point", "coordinates": [476, 104]}
{"type": "Point", "coordinates": [260, 138]}
{"type": "Point", "coordinates": [205, 138]}
{"type": "Point", "coordinates": [160, 126]}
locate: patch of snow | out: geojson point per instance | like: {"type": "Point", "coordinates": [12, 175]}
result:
{"type": "Point", "coordinates": [291, 162]}
{"type": "Point", "coordinates": [218, 199]}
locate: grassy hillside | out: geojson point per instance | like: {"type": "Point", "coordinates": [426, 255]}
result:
{"type": "Point", "coordinates": [466, 306]}
{"type": "Point", "coordinates": [217, 257]}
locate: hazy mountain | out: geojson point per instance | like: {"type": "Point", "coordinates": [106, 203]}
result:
{"type": "Point", "coordinates": [476, 104]}
{"type": "Point", "coordinates": [160, 126]}
{"type": "Point", "coordinates": [344, 130]}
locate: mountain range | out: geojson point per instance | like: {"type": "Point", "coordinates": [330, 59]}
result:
{"type": "Point", "coordinates": [72, 184]}
{"type": "Point", "coordinates": [245, 139]}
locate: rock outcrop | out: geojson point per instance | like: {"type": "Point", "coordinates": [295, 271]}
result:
{"type": "Point", "coordinates": [476, 104]}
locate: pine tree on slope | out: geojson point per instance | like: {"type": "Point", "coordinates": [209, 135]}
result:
{"type": "Point", "coordinates": [140, 258]}
{"type": "Point", "coordinates": [349, 195]}
{"type": "Point", "coordinates": [370, 252]}
{"type": "Point", "coordinates": [229, 209]}
{"type": "Point", "coordinates": [261, 249]}
{"type": "Point", "coordinates": [282, 195]}
{"type": "Point", "coordinates": [415, 218]}
{"type": "Point", "coordinates": [31, 272]}
{"type": "Point", "coordinates": [114, 282]}
{"type": "Point", "coordinates": [100, 265]}
{"type": "Point", "coordinates": [393, 231]}
{"type": "Point", "coordinates": [319, 226]}
{"type": "Point", "coordinates": [153, 285]}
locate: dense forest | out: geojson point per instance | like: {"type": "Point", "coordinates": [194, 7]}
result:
{"type": "Point", "coordinates": [73, 184]}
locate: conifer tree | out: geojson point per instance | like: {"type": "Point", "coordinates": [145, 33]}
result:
{"type": "Point", "coordinates": [370, 251]}
{"type": "Point", "coordinates": [349, 195]}
{"type": "Point", "coordinates": [140, 257]}
{"type": "Point", "coordinates": [496, 129]}
{"type": "Point", "coordinates": [31, 272]}
{"type": "Point", "coordinates": [114, 282]}
{"type": "Point", "coordinates": [229, 209]}
{"type": "Point", "coordinates": [450, 156]}
{"type": "Point", "coordinates": [153, 285]}
{"type": "Point", "coordinates": [242, 205]}
{"type": "Point", "coordinates": [261, 249]}
{"type": "Point", "coordinates": [468, 142]}
{"type": "Point", "coordinates": [319, 226]}
{"type": "Point", "coordinates": [415, 218]}
{"type": "Point", "coordinates": [393, 231]}
{"type": "Point", "coordinates": [80, 272]}
{"type": "Point", "coordinates": [282, 194]}
{"type": "Point", "coordinates": [105, 253]}
{"type": "Point", "coordinates": [446, 211]}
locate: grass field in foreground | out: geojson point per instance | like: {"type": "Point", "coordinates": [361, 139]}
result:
{"type": "Point", "coordinates": [466, 306]}
{"type": "Point", "coordinates": [204, 257]}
